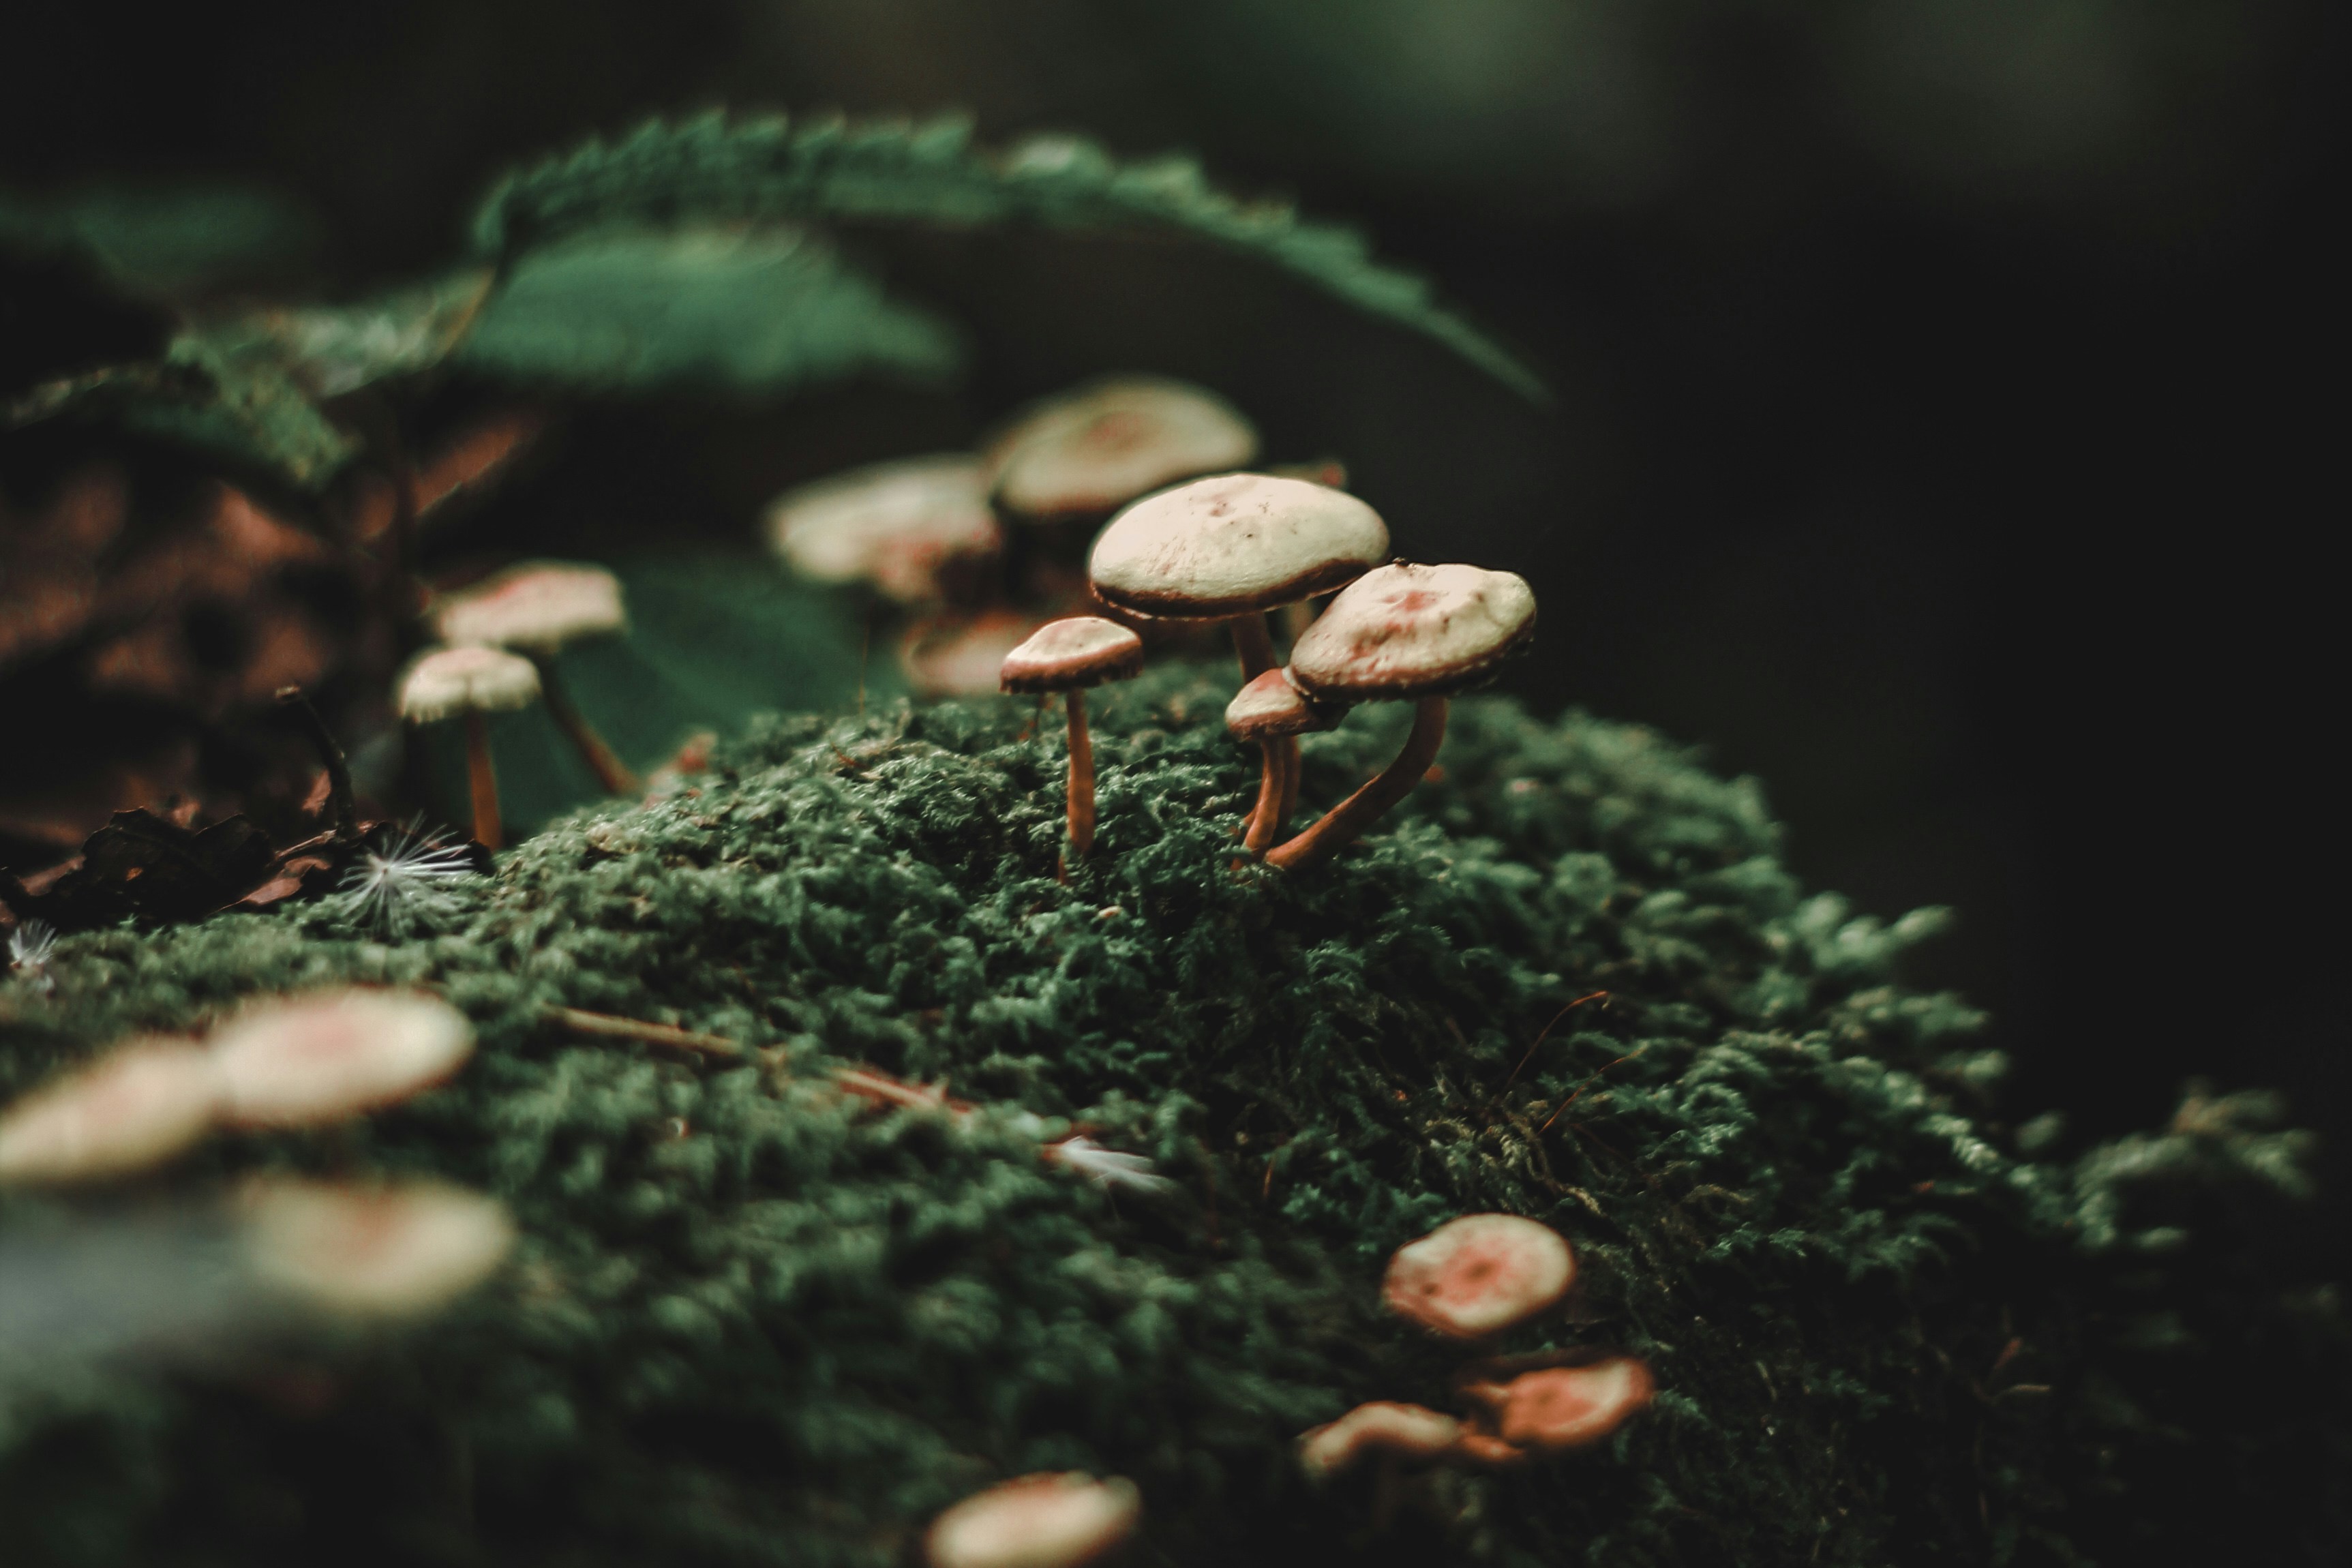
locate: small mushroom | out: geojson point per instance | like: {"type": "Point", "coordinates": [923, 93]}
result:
{"type": "Point", "coordinates": [377, 1252]}
{"type": "Point", "coordinates": [1232, 548]}
{"type": "Point", "coordinates": [536, 608]}
{"type": "Point", "coordinates": [1403, 631]}
{"type": "Point", "coordinates": [962, 656]}
{"type": "Point", "coordinates": [445, 683]}
{"type": "Point", "coordinates": [1409, 1431]}
{"type": "Point", "coordinates": [1106, 443]}
{"type": "Point", "coordinates": [133, 1109]}
{"type": "Point", "coordinates": [899, 525]}
{"type": "Point", "coordinates": [324, 1057]}
{"type": "Point", "coordinates": [1051, 1521]}
{"type": "Point", "coordinates": [1567, 1407]}
{"type": "Point", "coordinates": [1068, 656]}
{"type": "Point", "coordinates": [1268, 708]}
{"type": "Point", "coordinates": [1479, 1275]}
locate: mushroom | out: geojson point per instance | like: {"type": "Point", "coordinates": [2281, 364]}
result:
{"type": "Point", "coordinates": [324, 1057]}
{"type": "Point", "coordinates": [1403, 631]}
{"type": "Point", "coordinates": [1232, 548]}
{"type": "Point", "coordinates": [535, 608]}
{"type": "Point", "coordinates": [445, 682]}
{"type": "Point", "coordinates": [1068, 656]}
{"type": "Point", "coordinates": [383, 1252]}
{"type": "Point", "coordinates": [1409, 1431]}
{"type": "Point", "coordinates": [1106, 443]}
{"type": "Point", "coordinates": [1051, 1521]}
{"type": "Point", "coordinates": [1479, 1275]}
{"type": "Point", "coordinates": [1267, 709]}
{"type": "Point", "coordinates": [899, 525]}
{"type": "Point", "coordinates": [962, 656]}
{"type": "Point", "coordinates": [1566, 1407]}
{"type": "Point", "coordinates": [133, 1109]}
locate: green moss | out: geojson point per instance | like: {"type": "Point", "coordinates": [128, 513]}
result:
{"type": "Point", "coordinates": [753, 1322]}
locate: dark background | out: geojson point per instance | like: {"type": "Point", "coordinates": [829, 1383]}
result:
{"type": "Point", "coordinates": [1945, 393]}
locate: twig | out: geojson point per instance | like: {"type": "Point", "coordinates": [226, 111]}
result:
{"type": "Point", "coordinates": [1591, 995]}
{"type": "Point", "coordinates": [338, 773]}
{"type": "Point", "coordinates": [581, 1021]}
{"type": "Point", "coordinates": [1581, 1088]}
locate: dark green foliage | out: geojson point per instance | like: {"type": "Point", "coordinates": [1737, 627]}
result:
{"type": "Point", "coordinates": [754, 1323]}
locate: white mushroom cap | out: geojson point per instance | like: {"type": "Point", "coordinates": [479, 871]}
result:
{"type": "Point", "coordinates": [1037, 1521]}
{"type": "Point", "coordinates": [1479, 1275]}
{"type": "Point", "coordinates": [1237, 542]}
{"type": "Point", "coordinates": [1073, 652]}
{"type": "Point", "coordinates": [1413, 631]}
{"type": "Point", "coordinates": [336, 1053]}
{"type": "Point", "coordinates": [1111, 441]}
{"type": "Point", "coordinates": [133, 1109]}
{"type": "Point", "coordinates": [536, 605]}
{"type": "Point", "coordinates": [1569, 1406]}
{"type": "Point", "coordinates": [1270, 705]}
{"type": "Point", "coordinates": [892, 525]}
{"type": "Point", "coordinates": [1383, 1426]}
{"type": "Point", "coordinates": [962, 657]}
{"type": "Point", "coordinates": [444, 682]}
{"type": "Point", "coordinates": [375, 1251]}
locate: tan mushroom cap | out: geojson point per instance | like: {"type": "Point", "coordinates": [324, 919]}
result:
{"type": "Point", "coordinates": [1053, 1521]}
{"type": "Point", "coordinates": [133, 1109]}
{"type": "Point", "coordinates": [1073, 652]}
{"type": "Point", "coordinates": [1414, 631]}
{"type": "Point", "coordinates": [1479, 1275]}
{"type": "Point", "coordinates": [1110, 441]}
{"type": "Point", "coordinates": [962, 657]}
{"type": "Point", "coordinates": [336, 1053]}
{"type": "Point", "coordinates": [537, 604]}
{"type": "Point", "coordinates": [1270, 706]}
{"type": "Point", "coordinates": [1383, 1426]}
{"type": "Point", "coordinates": [892, 525]}
{"type": "Point", "coordinates": [1234, 543]}
{"type": "Point", "coordinates": [1569, 1406]}
{"type": "Point", "coordinates": [374, 1251]}
{"type": "Point", "coordinates": [445, 682]}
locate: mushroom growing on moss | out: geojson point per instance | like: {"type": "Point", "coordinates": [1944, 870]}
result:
{"type": "Point", "coordinates": [451, 682]}
{"type": "Point", "coordinates": [133, 1109]}
{"type": "Point", "coordinates": [1384, 1427]}
{"type": "Point", "coordinates": [1403, 633]}
{"type": "Point", "coordinates": [1267, 709]}
{"type": "Point", "coordinates": [902, 526]}
{"type": "Point", "coordinates": [1068, 656]}
{"type": "Point", "coordinates": [374, 1252]}
{"type": "Point", "coordinates": [308, 1060]}
{"type": "Point", "coordinates": [1102, 445]}
{"type": "Point", "coordinates": [1479, 1275]}
{"type": "Point", "coordinates": [1053, 1521]}
{"type": "Point", "coordinates": [1564, 1408]}
{"type": "Point", "coordinates": [536, 608]}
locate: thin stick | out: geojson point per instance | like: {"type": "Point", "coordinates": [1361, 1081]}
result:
{"type": "Point", "coordinates": [1082, 776]}
{"type": "Point", "coordinates": [488, 831]}
{"type": "Point", "coordinates": [610, 773]}
{"type": "Point", "coordinates": [611, 1027]}
{"type": "Point", "coordinates": [1348, 821]}
{"type": "Point", "coordinates": [1546, 1035]}
{"type": "Point", "coordinates": [330, 755]}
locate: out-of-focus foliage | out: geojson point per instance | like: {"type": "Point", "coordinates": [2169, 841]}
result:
{"type": "Point", "coordinates": [167, 240]}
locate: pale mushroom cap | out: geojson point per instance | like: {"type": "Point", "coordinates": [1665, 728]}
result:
{"type": "Point", "coordinates": [336, 1053]}
{"type": "Point", "coordinates": [1568, 1406]}
{"type": "Point", "coordinates": [537, 604]}
{"type": "Point", "coordinates": [1383, 1426]}
{"type": "Point", "coordinates": [1037, 1521]}
{"type": "Point", "coordinates": [892, 525]}
{"type": "Point", "coordinates": [1270, 705]}
{"type": "Point", "coordinates": [448, 681]}
{"type": "Point", "coordinates": [1076, 651]}
{"type": "Point", "coordinates": [1414, 631]}
{"type": "Point", "coordinates": [1479, 1275]}
{"type": "Point", "coordinates": [375, 1251]}
{"type": "Point", "coordinates": [1236, 542]}
{"type": "Point", "coordinates": [133, 1109]}
{"type": "Point", "coordinates": [963, 658]}
{"type": "Point", "coordinates": [1111, 441]}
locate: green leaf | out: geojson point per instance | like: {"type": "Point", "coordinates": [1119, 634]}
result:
{"type": "Point", "coordinates": [167, 240]}
{"type": "Point", "coordinates": [711, 170]}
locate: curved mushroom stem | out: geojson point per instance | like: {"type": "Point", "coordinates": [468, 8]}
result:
{"type": "Point", "coordinates": [1082, 776]}
{"type": "Point", "coordinates": [1348, 821]}
{"type": "Point", "coordinates": [488, 831]}
{"type": "Point", "coordinates": [1277, 785]}
{"type": "Point", "coordinates": [610, 773]}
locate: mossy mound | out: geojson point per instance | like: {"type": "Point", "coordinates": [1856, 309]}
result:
{"type": "Point", "coordinates": [755, 1322]}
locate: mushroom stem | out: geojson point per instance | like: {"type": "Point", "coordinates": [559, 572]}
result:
{"type": "Point", "coordinates": [1254, 643]}
{"type": "Point", "coordinates": [489, 832]}
{"type": "Point", "coordinates": [1082, 776]}
{"type": "Point", "coordinates": [1348, 821]}
{"type": "Point", "coordinates": [610, 773]}
{"type": "Point", "coordinates": [1278, 786]}
{"type": "Point", "coordinates": [1266, 817]}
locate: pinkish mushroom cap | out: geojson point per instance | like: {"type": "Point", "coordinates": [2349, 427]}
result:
{"type": "Point", "coordinates": [444, 682]}
{"type": "Point", "coordinates": [1111, 441]}
{"type": "Point", "coordinates": [335, 1054]}
{"type": "Point", "coordinates": [893, 524]}
{"type": "Point", "coordinates": [1270, 705]}
{"type": "Point", "coordinates": [1232, 544]}
{"type": "Point", "coordinates": [1413, 1431]}
{"type": "Point", "coordinates": [1074, 652]}
{"type": "Point", "coordinates": [384, 1252]}
{"type": "Point", "coordinates": [538, 605]}
{"type": "Point", "coordinates": [133, 1109]}
{"type": "Point", "coordinates": [1479, 1275]}
{"type": "Point", "coordinates": [1570, 1406]}
{"type": "Point", "coordinates": [1413, 631]}
{"type": "Point", "coordinates": [1054, 1520]}
{"type": "Point", "coordinates": [962, 656]}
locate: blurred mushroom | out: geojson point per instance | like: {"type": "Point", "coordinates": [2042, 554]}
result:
{"type": "Point", "coordinates": [383, 1252]}
{"type": "Point", "coordinates": [1566, 1407]}
{"type": "Point", "coordinates": [329, 1055]}
{"type": "Point", "coordinates": [1409, 1431]}
{"type": "Point", "coordinates": [1068, 656]}
{"type": "Point", "coordinates": [900, 525]}
{"type": "Point", "coordinates": [1479, 1275]}
{"type": "Point", "coordinates": [1403, 632]}
{"type": "Point", "coordinates": [1053, 1520]}
{"type": "Point", "coordinates": [1232, 548]}
{"type": "Point", "coordinates": [445, 683]}
{"type": "Point", "coordinates": [962, 656]}
{"type": "Point", "coordinates": [133, 1109]}
{"type": "Point", "coordinates": [1267, 709]}
{"type": "Point", "coordinates": [1106, 443]}
{"type": "Point", "coordinates": [536, 608]}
